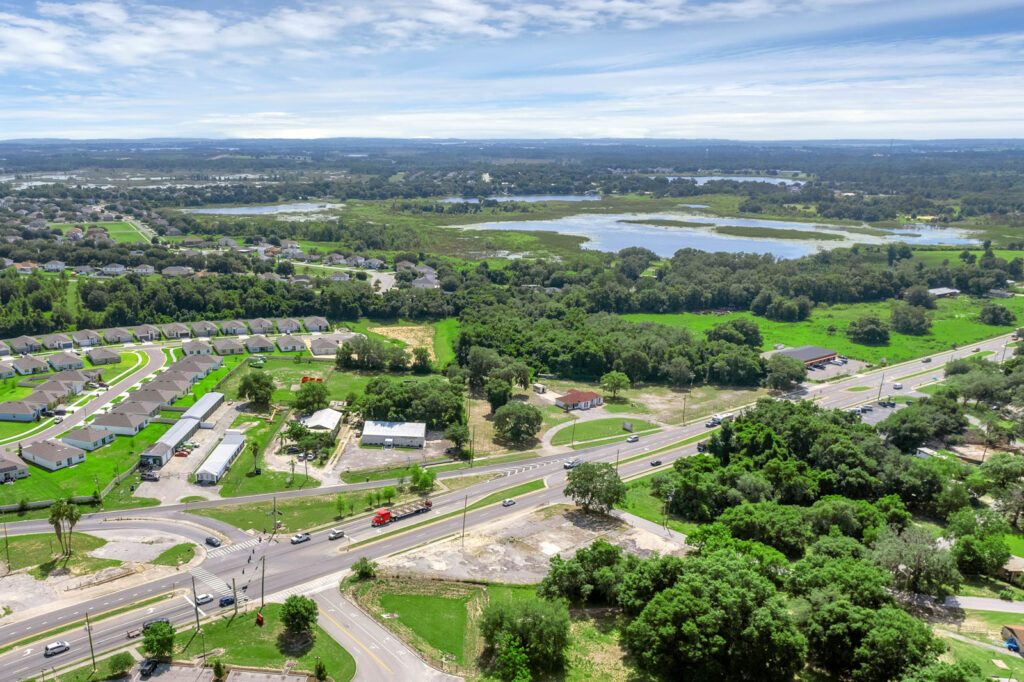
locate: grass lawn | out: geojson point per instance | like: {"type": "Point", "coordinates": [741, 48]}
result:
{"type": "Point", "coordinates": [207, 383]}
{"type": "Point", "coordinates": [441, 621]}
{"type": "Point", "coordinates": [954, 321]}
{"type": "Point", "coordinates": [93, 474]}
{"type": "Point", "coordinates": [641, 502]}
{"type": "Point", "coordinates": [10, 390]}
{"type": "Point", "coordinates": [398, 472]}
{"type": "Point", "coordinates": [118, 231]}
{"type": "Point", "coordinates": [41, 553]}
{"type": "Point", "coordinates": [179, 554]}
{"type": "Point", "coordinates": [247, 644]}
{"type": "Point", "coordinates": [597, 428]}
{"type": "Point", "coordinates": [295, 514]}
{"type": "Point", "coordinates": [445, 333]}
{"type": "Point", "coordinates": [498, 495]}
{"type": "Point", "coordinates": [964, 652]}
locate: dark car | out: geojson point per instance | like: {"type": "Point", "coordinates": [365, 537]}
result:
{"type": "Point", "coordinates": [148, 667]}
{"type": "Point", "coordinates": [656, 463]}
{"type": "Point", "coordinates": [212, 541]}
{"type": "Point", "coordinates": [883, 403]}
{"type": "Point", "coordinates": [227, 601]}
{"type": "Point", "coordinates": [892, 403]}
{"type": "Point", "coordinates": [866, 408]}
{"type": "Point", "coordinates": [702, 446]}
{"type": "Point", "coordinates": [150, 623]}
{"type": "Point", "coordinates": [926, 360]}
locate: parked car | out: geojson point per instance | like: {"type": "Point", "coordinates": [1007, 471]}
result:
{"type": "Point", "coordinates": [204, 599]}
{"type": "Point", "coordinates": [656, 463]}
{"type": "Point", "coordinates": [335, 534]}
{"type": "Point", "coordinates": [212, 541]}
{"type": "Point", "coordinates": [299, 538]}
{"type": "Point", "coordinates": [633, 439]}
{"type": "Point", "coordinates": [54, 648]}
{"type": "Point", "coordinates": [292, 449]}
{"type": "Point", "coordinates": [149, 476]}
{"type": "Point", "coordinates": [310, 456]}
{"type": "Point", "coordinates": [866, 408]}
{"type": "Point", "coordinates": [227, 600]}
{"type": "Point", "coordinates": [843, 357]}
{"type": "Point", "coordinates": [892, 403]}
{"type": "Point", "coordinates": [507, 503]}
{"type": "Point", "coordinates": [148, 667]}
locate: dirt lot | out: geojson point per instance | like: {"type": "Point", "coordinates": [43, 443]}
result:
{"type": "Point", "coordinates": [517, 549]}
{"type": "Point", "coordinates": [422, 336]}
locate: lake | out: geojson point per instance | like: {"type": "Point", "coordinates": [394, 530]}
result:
{"type": "Point", "coordinates": [608, 233]}
{"type": "Point", "coordinates": [264, 210]}
{"type": "Point", "coordinates": [525, 198]}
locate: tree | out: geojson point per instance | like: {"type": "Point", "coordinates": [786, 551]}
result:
{"type": "Point", "coordinates": [894, 642]}
{"type": "Point", "coordinates": [158, 640]}
{"type": "Point", "coordinates": [219, 670]}
{"type": "Point", "coordinates": [915, 561]}
{"type": "Point", "coordinates": [510, 661]}
{"type": "Point", "coordinates": [365, 569]}
{"type": "Point", "coordinates": [498, 391]}
{"type": "Point", "coordinates": [299, 613]}
{"type": "Point", "coordinates": [257, 387]}
{"type": "Point", "coordinates": [784, 372]}
{"type": "Point", "coordinates": [118, 664]}
{"type": "Point", "coordinates": [517, 422]}
{"type": "Point", "coordinates": [285, 268]}
{"type": "Point", "coordinates": [420, 360]}
{"type": "Point", "coordinates": [540, 626]}
{"type": "Point", "coordinates": [72, 515]}
{"type": "Point", "coordinates": [296, 431]}
{"type": "Point", "coordinates": [918, 296]}
{"type": "Point", "coordinates": [388, 493]}
{"type": "Point", "coordinates": [458, 434]}
{"type": "Point", "coordinates": [910, 319]}
{"type": "Point", "coordinates": [868, 331]}
{"type": "Point", "coordinates": [58, 511]}
{"type": "Point", "coordinates": [320, 671]}
{"type": "Point", "coordinates": [613, 382]}
{"type": "Point", "coordinates": [996, 315]}
{"type": "Point", "coordinates": [312, 396]}
{"type": "Point", "coordinates": [595, 486]}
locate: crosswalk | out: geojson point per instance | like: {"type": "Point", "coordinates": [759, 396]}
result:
{"type": "Point", "coordinates": [312, 587]}
{"type": "Point", "coordinates": [238, 546]}
{"type": "Point", "coordinates": [522, 469]}
{"type": "Point", "coordinates": [215, 584]}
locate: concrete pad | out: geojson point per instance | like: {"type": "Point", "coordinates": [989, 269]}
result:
{"type": "Point", "coordinates": [134, 545]}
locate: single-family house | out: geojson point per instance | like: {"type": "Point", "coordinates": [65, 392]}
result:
{"type": "Point", "coordinates": [84, 338]}
{"type": "Point", "coordinates": [52, 455]}
{"type": "Point", "coordinates": [144, 270]}
{"type": "Point", "coordinates": [322, 345]}
{"type": "Point", "coordinates": [26, 268]}
{"type": "Point", "coordinates": [290, 344]}
{"type": "Point", "coordinates": [178, 385]}
{"type": "Point", "coordinates": [196, 348]}
{"type": "Point", "coordinates": [234, 327]}
{"type": "Point", "coordinates": [175, 330]}
{"type": "Point", "coordinates": [121, 424]}
{"type": "Point", "coordinates": [292, 251]}
{"type": "Point", "coordinates": [117, 335]}
{"type": "Point", "coordinates": [133, 406]}
{"type": "Point", "coordinates": [355, 261]}
{"type": "Point", "coordinates": [12, 470]}
{"type": "Point", "coordinates": [259, 344]}
{"type": "Point", "coordinates": [288, 326]}
{"type": "Point", "coordinates": [374, 263]}
{"type": "Point", "coordinates": [7, 370]}
{"type": "Point", "coordinates": [426, 271]}
{"type": "Point", "coordinates": [339, 276]}
{"type": "Point", "coordinates": [57, 342]}
{"type": "Point", "coordinates": [53, 266]}
{"type": "Point", "coordinates": [5, 350]}
{"type": "Point", "coordinates": [425, 282]}
{"type": "Point", "coordinates": [30, 365]}
{"type": "Point", "coordinates": [114, 269]}
{"type": "Point", "coordinates": [204, 328]}
{"type": "Point", "coordinates": [404, 265]}
{"type": "Point", "coordinates": [103, 356]}
{"type": "Point", "coordinates": [177, 271]}
{"type": "Point", "coordinates": [316, 324]}
{"type": "Point", "coordinates": [61, 361]}
{"type": "Point", "coordinates": [83, 269]}
{"type": "Point", "coordinates": [25, 410]}
{"type": "Point", "coordinates": [334, 259]}
{"type": "Point", "coordinates": [146, 332]}
{"type": "Point", "coordinates": [579, 400]}
{"type": "Point", "coordinates": [88, 438]}
{"type": "Point", "coordinates": [25, 344]}
{"type": "Point", "coordinates": [261, 326]}
{"type": "Point", "coordinates": [227, 347]}
{"type": "Point", "coordinates": [226, 241]}
{"type": "Point", "coordinates": [73, 234]}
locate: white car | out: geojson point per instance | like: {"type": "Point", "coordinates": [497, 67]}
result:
{"type": "Point", "coordinates": [897, 386]}
{"type": "Point", "coordinates": [508, 503]}
{"type": "Point", "coordinates": [54, 648]}
{"type": "Point", "coordinates": [633, 439]}
{"type": "Point", "coordinates": [204, 599]}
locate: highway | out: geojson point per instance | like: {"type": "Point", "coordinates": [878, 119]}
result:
{"type": "Point", "coordinates": [306, 567]}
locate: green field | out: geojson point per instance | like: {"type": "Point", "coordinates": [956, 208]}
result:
{"type": "Point", "coordinates": [441, 621]}
{"type": "Point", "coordinates": [955, 321]}
{"type": "Point", "coordinates": [776, 233]}
{"type": "Point", "coordinates": [42, 553]}
{"type": "Point", "coordinates": [597, 428]}
{"type": "Point", "coordinates": [299, 513]}
{"type": "Point", "coordinates": [640, 502]}
{"type": "Point", "coordinates": [177, 555]}
{"type": "Point", "coordinates": [245, 643]}
{"type": "Point", "coordinates": [241, 478]}
{"type": "Point", "coordinates": [445, 333]}
{"type": "Point", "coordinates": [93, 474]}
{"type": "Point", "coordinates": [118, 231]}
{"type": "Point", "coordinates": [207, 383]}
{"type": "Point", "coordinates": [10, 390]}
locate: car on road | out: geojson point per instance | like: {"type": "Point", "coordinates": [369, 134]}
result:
{"type": "Point", "coordinates": [897, 386]}
{"type": "Point", "coordinates": [335, 534]}
{"type": "Point", "coordinates": [702, 446]}
{"type": "Point", "coordinates": [58, 420]}
{"type": "Point", "coordinates": [656, 463]}
{"type": "Point", "coordinates": [150, 623]}
{"type": "Point", "coordinates": [632, 439]}
{"type": "Point", "coordinates": [926, 360]}
{"type": "Point", "coordinates": [299, 538]}
{"type": "Point", "coordinates": [54, 648]}
{"type": "Point", "coordinates": [148, 667]}
{"type": "Point", "coordinates": [976, 350]}
{"type": "Point", "coordinates": [711, 423]}
{"type": "Point", "coordinates": [572, 463]}
{"type": "Point", "coordinates": [212, 541]}
{"type": "Point", "coordinates": [204, 599]}
{"type": "Point", "coordinates": [227, 600]}
{"type": "Point", "coordinates": [508, 503]}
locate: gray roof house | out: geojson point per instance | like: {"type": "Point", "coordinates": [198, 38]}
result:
{"type": "Point", "coordinates": [290, 344]}
{"type": "Point", "coordinates": [57, 342]}
{"type": "Point", "coordinates": [316, 324]}
{"type": "Point", "coordinates": [234, 327]}
{"type": "Point", "coordinates": [85, 338]}
{"type": "Point", "coordinates": [176, 330]}
{"type": "Point", "coordinates": [29, 365]}
{"type": "Point", "coordinates": [204, 328]}
{"type": "Point", "coordinates": [103, 356]}
{"type": "Point", "coordinates": [323, 346]}
{"type": "Point", "coordinates": [52, 454]}
{"type": "Point", "coordinates": [88, 438]}
{"type": "Point", "coordinates": [61, 361]}
{"type": "Point", "coordinates": [288, 326]}
{"type": "Point", "coordinates": [196, 348]}
{"type": "Point", "coordinates": [25, 344]}
{"type": "Point", "coordinates": [227, 347]}
{"type": "Point", "coordinates": [146, 332]}
{"type": "Point", "coordinates": [117, 335]}
{"type": "Point", "coordinates": [261, 326]}
{"type": "Point", "coordinates": [259, 344]}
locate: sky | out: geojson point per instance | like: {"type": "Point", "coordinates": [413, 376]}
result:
{"type": "Point", "coordinates": [734, 69]}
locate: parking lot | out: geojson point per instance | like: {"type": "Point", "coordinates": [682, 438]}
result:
{"type": "Point", "coordinates": [823, 371]}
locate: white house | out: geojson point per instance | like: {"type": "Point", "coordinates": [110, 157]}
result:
{"type": "Point", "coordinates": [20, 410]}
{"type": "Point", "coordinates": [121, 424]}
{"type": "Point", "coordinates": [259, 344]}
{"type": "Point", "coordinates": [85, 338]}
{"type": "Point", "coordinates": [579, 400]}
{"type": "Point", "coordinates": [289, 344]}
{"type": "Point", "coordinates": [52, 455]}
{"type": "Point", "coordinates": [53, 266]}
{"type": "Point", "coordinates": [144, 270]}
{"type": "Point", "coordinates": [196, 348]}
{"type": "Point", "coordinates": [117, 335]}
{"type": "Point", "coordinates": [227, 347]}
{"type": "Point", "coordinates": [88, 438]}
{"type": "Point", "coordinates": [316, 324]}
{"type": "Point", "coordinates": [114, 269]}
{"type": "Point", "coordinates": [288, 326]}
{"type": "Point", "coordinates": [12, 470]}
{"type": "Point", "coordinates": [394, 434]}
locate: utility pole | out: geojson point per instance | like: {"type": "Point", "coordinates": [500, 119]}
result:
{"type": "Point", "coordinates": [263, 579]}
{"type": "Point", "coordinates": [880, 384]}
{"type": "Point", "coordinates": [195, 603]}
{"type": "Point", "coordinates": [616, 461]}
{"type": "Point", "coordinates": [7, 544]}
{"type": "Point", "coordinates": [88, 630]}
{"type": "Point", "coordinates": [684, 409]}
{"type": "Point", "coordinates": [234, 593]}
{"type": "Point", "coordinates": [572, 438]}
{"type": "Point", "coordinates": [465, 508]}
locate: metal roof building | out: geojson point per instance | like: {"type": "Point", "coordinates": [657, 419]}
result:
{"type": "Point", "coordinates": [220, 460]}
{"type": "Point", "coordinates": [395, 434]}
{"type": "Point", "coordinates": [809, 354]}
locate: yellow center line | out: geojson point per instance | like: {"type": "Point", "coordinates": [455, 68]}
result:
{"type": "Point", "coordinates": [352, 637]}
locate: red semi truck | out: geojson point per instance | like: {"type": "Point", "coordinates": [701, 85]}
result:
{"type": "Point", "coordinates": [385, 516]}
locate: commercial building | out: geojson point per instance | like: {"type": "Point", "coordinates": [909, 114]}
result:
{"type": "Point", "coordinates": [579, 400]}
{"type": "Point", "coordinates": [324, 421]}
{"type": "Point", "coordinates": [222, 457]}
{"type": "Point", "coordinates": [394, 434]}
{"type": "Point", "coordinates": [809, 355]}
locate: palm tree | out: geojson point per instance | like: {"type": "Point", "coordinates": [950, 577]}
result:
{"type": "Point", "coordinates": [255, 450]}
{"type": "Point", "coordinates": [58, 511]}
{"type": "Point", "coordinates": [72, 516]}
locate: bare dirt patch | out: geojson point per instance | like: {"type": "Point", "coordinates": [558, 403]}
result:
{"type": "Point", "coordinates": [518, 548]}
{"type": "Point", "coordinates": [413, 337]}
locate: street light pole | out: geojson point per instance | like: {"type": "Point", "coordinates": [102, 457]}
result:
{"type": "Point", "coordinates": [880, 384]}
{"type": "Point", "coordinates": [465, 508]}
{"type": "Point", "coordinates": [88, 630]}
{"type": "Point", "coordinates": [195, 602]}
{"type": "Point", "coordinates": [263, 580]}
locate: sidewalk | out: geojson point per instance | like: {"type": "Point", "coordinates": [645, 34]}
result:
{"type": "Point", "coordinates": [655, 528]}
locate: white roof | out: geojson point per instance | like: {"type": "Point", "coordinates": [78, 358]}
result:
{"type": "Point", "coordinates": [392, 429]}
{"type": "Point", "coordinates": [222, 456]}
{"type": "Point", "coordinates": [204, 406]}
{"type": "Point", "coordinates": [173, 437]}
{"type": "Point", "coordinates": [326, 418]}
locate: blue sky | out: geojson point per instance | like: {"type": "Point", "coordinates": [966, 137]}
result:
{"type": "Point", "coordinates": [737, 69]}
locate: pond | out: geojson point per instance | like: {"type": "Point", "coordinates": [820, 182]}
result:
{"type": "Point", "coordinates": [609, 232]}
{"type": "Point", "coordinates": [264, 210]}
{"type": "Point", "coordinates": [525, 198]}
